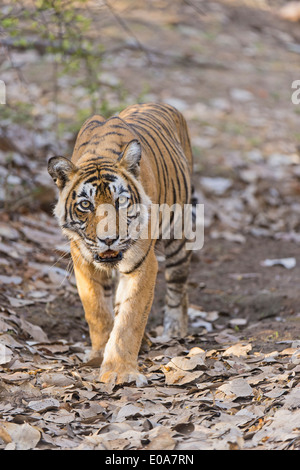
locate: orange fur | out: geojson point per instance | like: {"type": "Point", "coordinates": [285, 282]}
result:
{"type": "Point", "coordinates": [144, 152]}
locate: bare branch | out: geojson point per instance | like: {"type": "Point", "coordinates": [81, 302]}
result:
{"type": "Point", "coordinates": [126, 28]}
{"type": "Point", "coordinates": [45, 46]}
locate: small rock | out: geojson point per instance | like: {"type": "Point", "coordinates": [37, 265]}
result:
{"type": "Point", "coordinates": [288, 263]}
{"type": "Point", "coordinates": [10, 279]}
{"type": "Point", "coordinates": [216, 185]}
{"type": "Point", "coordinates": [8, 232]}
{"type": "Point", "coordinates": [14, 180]}
{"type": "Point", "coordinates": [203, 142]}
{"type": "Point", "coordinates": [238, 322]}
{"type": "Point", "coordinates": [220, 103]}
{"type": "Point", "coordinates": [238, 94]}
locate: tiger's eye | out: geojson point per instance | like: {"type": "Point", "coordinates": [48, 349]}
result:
{"type": "Point", "coordinates": [123, 200]}
{"type": "Point", "coordinates": [85, 204]}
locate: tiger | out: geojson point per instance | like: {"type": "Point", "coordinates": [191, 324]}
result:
{"type": "Point", "coordinates": [138, 158]}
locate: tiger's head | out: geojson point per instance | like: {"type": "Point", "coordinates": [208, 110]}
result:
{"type": "Point", "coordinates": [102, 205]}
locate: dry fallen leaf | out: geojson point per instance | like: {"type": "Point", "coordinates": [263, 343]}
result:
{"type": "Point", "coordinates": [14, 302]}
{"type": "Point", "coordinates": [35, 331]}
{"type": "Point", "coordinates": [283, 426]}
{"type": "Point", "coordinates": [161, 438]}
{"type": "Point", "coordinates": [187, 362]}
{"type": "Point", "coordinates": [59, 417]}
{"type": "Point", "coordinates": [239, 350]}
{"type": "Point", "coordinates": [44, 405]}
{"type": "Point", "coordinates": [236, 388]}
{"type": "Point", "coordinates": [23, 436]}
{"type": "Point", "coordinates": [177, 376]}
{"type": "Point", "coordinates": [128, 410]}
{"type": "Point", "coordinates": [55, 378]}
{"type": "Point", "coordinates": [5, 436]}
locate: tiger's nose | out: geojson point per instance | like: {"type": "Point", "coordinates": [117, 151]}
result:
{"type": "Point", "coordinates": [107, 241]}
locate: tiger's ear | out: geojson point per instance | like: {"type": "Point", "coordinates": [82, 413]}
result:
{"type": "Point", "coordinates": [131, 156]}
{"type": "Point", "coordinates": [61, 170]}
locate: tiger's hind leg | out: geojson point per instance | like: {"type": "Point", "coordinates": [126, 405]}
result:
{"type": "Point", "coordinates": [176, 275]}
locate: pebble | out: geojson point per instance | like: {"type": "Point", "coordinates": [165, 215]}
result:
{"type": "Point", "coordinates": [8, 232]}
{"type": "Point", "coordinates": [216, 185]}
{"type": "Point", "coordinates": [238, 94]}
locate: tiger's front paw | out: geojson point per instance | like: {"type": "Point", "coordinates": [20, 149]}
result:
{"type": "Point", "coordinates": [122, 375]}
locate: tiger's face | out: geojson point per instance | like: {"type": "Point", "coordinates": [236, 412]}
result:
{"type": "Point", "coordinates": [102, 206]}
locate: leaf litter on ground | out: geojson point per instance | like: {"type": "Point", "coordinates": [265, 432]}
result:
{"type": "Point", "coordinates": [220, 398]}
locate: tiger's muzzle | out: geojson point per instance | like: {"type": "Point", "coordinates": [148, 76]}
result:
{"type": "Point", "coordinates": [109, 256]}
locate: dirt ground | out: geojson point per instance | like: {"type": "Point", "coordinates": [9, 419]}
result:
{"type": "Point", "coordinates": [229, 67]}
{"type": "Point", "coordinates": [241, 48]}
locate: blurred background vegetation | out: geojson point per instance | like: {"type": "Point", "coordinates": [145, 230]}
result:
{"type": "Point", "coordinates": [64, 35]}
{"type": "Point", "coordinates": [227, 65]}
